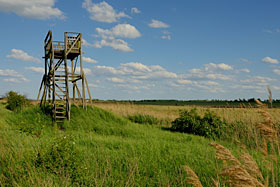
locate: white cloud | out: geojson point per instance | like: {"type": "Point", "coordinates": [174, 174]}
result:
{"type": "Point", "coordinates": [167, 37]}
{"type": "Point", "coordinates": [117, 44]}
{"type": "Point", "coordinates": [106, 70]}
{"type": "Point", "coordinates": [136, 71]}
{"type": "Point", "coordinates": [246, 70]}
{"type": "Point", "coordinates": [89, 60]}
{"type": "Point", "coordinates": [87, 44]}
{"type": "Point", "coordinates": [276, 87]}
{"type": "Point", "coordinates": [158, 24]}
{"type": "Point", "coordinates": [120, 30]}
{"type": "Point", "coordinates": [208, 72]}
{"type": "Point", "coordinates": [217, 76]}
{"type": "Point", "coordinates": [14, 80]}
{"type": "Point", "coordinates": [276, 71]}
{"type": "Point", "coordinates": [32, 8]}
{"type": "Point", "coordinates": [270, 60]}
{"type": "Point", "coordinates": [87, 71]}
{"type": "Point", "coordinates": [8, 72]}
{"type": "Point", "coordinates": [211, 66]}
{"type": "Point", "coordinates": [210, 83]}
{"type": "Point", "coordinates": [109, 37]}
{"type": "Point", "coordinates": [132, 87]}
{"type": "Point", "coordinates": [102, 12]}
{"type": "Point", "coordinates": [23, 56]}
{"type": "Point", "coordinates": [135, 11]}
{"type": "Point", "coordinates": [245, 60]}
{"type": "Point", "coordinates": [12, 73]}
{"type": "Point", "coordinates": [184, 81]}
{"type": "Point", "coordinates": [116, 80]}
{"type": "Point", "coordinates": [135, 66]}
{"type": "Point", "coordinates": [36, 69]}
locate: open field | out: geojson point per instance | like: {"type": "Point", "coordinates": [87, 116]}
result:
{"type": "Point", "coordinates": [170, 113]}
{"type": "Point", "coordinates": [101, 148]}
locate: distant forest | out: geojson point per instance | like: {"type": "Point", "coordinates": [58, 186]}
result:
{"type": "Point", "coordinates": [237, 103]}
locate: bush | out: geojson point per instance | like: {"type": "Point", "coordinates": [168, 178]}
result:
{"type": "Point", "coordinates": [16, 101]}
{"type": "Point", "coordinates": [210, 125]}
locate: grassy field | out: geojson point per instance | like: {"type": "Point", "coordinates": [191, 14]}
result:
{"type": "Point", "coordinates": [101, 147]}
{"type": "Point", "coordinates": [169, 113]}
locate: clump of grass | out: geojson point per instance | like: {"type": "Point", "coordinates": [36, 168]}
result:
{"type": "Point", "coordinates": [251, 166]}
{"type": "Point", "coordinates": [31, 121]}
{"type": "Point", "coordinates": [234, 173]}
{"type": "Point", "coordinates": [192, 178]}
{"type": "Point", "coordinates": [62, 158]}
{"type": "Point", "coordinates": [146, 119]}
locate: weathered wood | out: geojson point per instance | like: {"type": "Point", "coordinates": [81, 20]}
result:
{"type": "Point", "coordinates": [55, 83]}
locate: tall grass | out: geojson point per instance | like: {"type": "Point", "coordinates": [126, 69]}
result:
{"type": "Point", "coordinates": [97, 148]}
{"type": "Point", "coordinates": [100, 148]}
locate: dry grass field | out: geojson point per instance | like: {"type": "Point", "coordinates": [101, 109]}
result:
{"type": "Point", "coordinates": [169, 113]}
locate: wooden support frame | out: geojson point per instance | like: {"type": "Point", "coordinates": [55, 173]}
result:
{"type": "Point", "coordinates": [58, 78]}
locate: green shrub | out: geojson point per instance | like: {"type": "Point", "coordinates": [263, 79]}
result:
{"type": "Point", "coordinates": [15, 101]}
{"type": "Point", "coordinates": [146, 119]}
{"type": "Point", "coordinates": [210, 125]}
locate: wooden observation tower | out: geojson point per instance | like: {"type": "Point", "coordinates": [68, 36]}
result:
{"type": "Point", "coordinates": [63, 68]}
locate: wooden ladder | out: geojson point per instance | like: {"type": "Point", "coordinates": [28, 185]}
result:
{"type": "Point", "coordinates": [60, 105]}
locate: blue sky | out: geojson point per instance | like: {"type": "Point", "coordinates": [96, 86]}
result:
{"type": "Point", "coordinates": [187, 49]}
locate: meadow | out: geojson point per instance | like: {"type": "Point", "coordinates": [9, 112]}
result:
{"type": "Point", "coordinates": [104, 146]}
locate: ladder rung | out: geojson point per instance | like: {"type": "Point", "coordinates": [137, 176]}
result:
{"type": "Point", "coordinates": [59, 108]}
{"type": "Point", "coordinates": [60, 117]}
{"type": "Point", "coordinates": [59, 112]}
{"type": "Point", "coordinates": [61, 103]}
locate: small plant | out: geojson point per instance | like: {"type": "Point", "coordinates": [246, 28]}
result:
{"type": "Point", "coordinates": [210, 125]}
{"type": "Point", "coordinates": [15, 101]}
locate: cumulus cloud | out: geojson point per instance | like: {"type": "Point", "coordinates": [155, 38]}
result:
{"type": "Point", "coordinates": [102, 12]}
{"type": "Point", "coordinates": [86, 43]}
{"type": "Point", "coordinates": [135, 11]}
{"type": "Point", "coordinates": [12, 74]}
{"type": "Point", "coordinates": [222, 66]}
{"type": "Point", "coordinates": [276, 87]}
{"type": "Point", "coordinates": [110, 37]}
{"type": "Point", "coordinates": [23, 56]}
{"type": "Point", "coordinates": [270, 60]}
{"type": "Point", "coordinates": [132, 87]}
{"type": "Point", "coordinates": [89, 60]}
{"type": "Point", "coordinates": [116, 80]}
{"type": "Point", "coordinates": [117, 44]}
{"type": "Point", "coordinates": [87, 71]}
{"type": "Point", "coordinates": [209, 72]}
{"type": "Point", "coordinates": [257, 81]}
{"type": "Point", "coordinates": [184, 81]}
{"type": "Point", "coordinates": [36, 69]}
{"type": "Point", "coordinates": [136, 71]}
{"type": "Point", "coordinates": [158, 24]}
{"type": "Point", "coordinates": [32, 8]}
{"type": "Point", "coordinates": [276, 71]}
{"type": "Point", "coordinates": [246, 70]}
{"type": "Point", "coordinates": [13, 80]}
{"type": "Point", "coordinates": [120, 30]}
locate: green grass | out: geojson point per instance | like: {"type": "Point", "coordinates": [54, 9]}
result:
{"type": "Point", "coordinates": [99, 148]}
